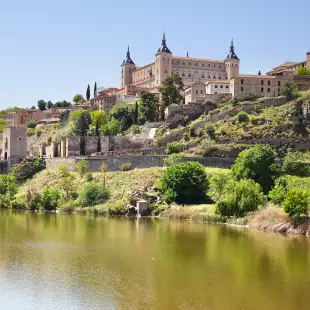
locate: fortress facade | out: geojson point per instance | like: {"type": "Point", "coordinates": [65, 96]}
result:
{"type": "Point", "coordinates": [136, 79]}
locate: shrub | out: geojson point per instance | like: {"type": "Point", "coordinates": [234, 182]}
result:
{"type": "Point", "coordinates": [68, 207]}
{"type": "Point", "coordinates": [296, 203]}
{"type": "Point", "coordinates": [186, 136]}
{"type": "Point", "coordinates": [292, 166]}
{"type": "Point", "coordinates": [240, 197]}
{"type": "Point", "coordinates": [93, 194]}
{"type": "Point", "coordinates": [38, 132]}
{"type": "Point", "coordinates": [89, 177]}
{"type": "Point", "coordinates": [242, 117]}
{"type": "Point", "coordinates": [8, 186]}
{"type": "Point", "coordinates": [192, 130]}
{"type": "Point", "coordinates": [63, 170]}
{"type": "Point", "coordinates": [256, 163]}
{"type": "Point", "coordinates": [250, 97]}
{"type": "Point", "coordinates": [186, 119]}
{"type": "Point", "coordinates": [126, 167]}
{"type": "Point", "coordinates": [30, 132]}
{"type": "Point", "coordinates": [33, 200]}
{"type": "Point", "coordinates": [81, 167]}
{"type": "Point", "coordinates": [26, 169]}
{"type": "Point", "coordinates": [210, 130]}
{"type": "Point", "coordinates": [173, 160]}
{"type": "Point", "coordinates": [174, 147]}
{"type": "Point", "coordinates": [50, 198]}
{"type": "Point", "coordinates": [200, 132]}
{"type": "Point", "coordinates": [234, 101]}
{"type": "Point", "coordinates": [184, 183]}
{"type": "Point", "coordinates": [278, 193]}
{"type": "Point", "coordinates": [31, 124]}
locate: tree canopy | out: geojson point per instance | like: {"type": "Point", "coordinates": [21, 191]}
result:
{"type": "Point", "coordinates": [77, 98]}
{"type": "Point", "coordinates": [303, 71]}
{"type": "Point", "coordinates": [148, 107]}
{"type": "Point", "coordinates": [42, 105]}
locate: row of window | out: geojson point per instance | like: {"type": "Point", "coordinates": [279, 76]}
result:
{"type": "Point", "coordinates": [221, 86]}
{"type": "Point", "coordinates": [202, 75]}
{"type": "Point", "coordinates": [262, 89]}
{"type": "Point", "coordinates": [201, 92]}
{"type": "Point", "coordinates": [262, 82]}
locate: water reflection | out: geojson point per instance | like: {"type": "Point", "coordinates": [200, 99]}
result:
{"type": "Point", "coordinates": [70, 261]}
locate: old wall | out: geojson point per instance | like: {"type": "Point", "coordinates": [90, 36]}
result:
{"type": "Point", "coordinates": [115, 163]}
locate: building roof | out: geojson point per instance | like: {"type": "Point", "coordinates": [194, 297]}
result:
{"type": "Point", "coordinates": [218, 82]}
{"type": "Point", "coordinates": [164, 48]}
{"type": "Point", "coordinates": [197, 59]}
{"type": "Point", "coordinates": [255, 76]}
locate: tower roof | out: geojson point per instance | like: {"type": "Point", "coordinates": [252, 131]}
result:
{"type": "Point", "coordinates": [232, 54]}
{"type": "Point", "coordinates": [128, 59]}
{"type": "Point", "coordinates": [164, 48]}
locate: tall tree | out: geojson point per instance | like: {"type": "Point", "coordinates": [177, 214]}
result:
{"type": "Point", "coordinates": [170, 92]}
{"type": "Point", "coordinates": [95, 89]}
{"type": "Point", "coordinates": [77, 98]}
{"type": "Point", "coordinates": [82, 124]}
{"type": "Point", "coordinates": [148, 107]}
{"type": "Point", "coordinates": [42, 105]}
{"type": "Point", "coordinates": [98, 137]}
{"type": "Point", "coordinates": [136, 115]}
{"type": "Point", "coordinates": [88, 93]}
{"type": "Point", "coordinates": [49, 104]}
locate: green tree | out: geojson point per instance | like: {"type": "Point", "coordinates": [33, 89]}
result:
{"type": "Point", "coordinates": [184, 182]}
{"type": "Point", "coordinates": [50, 198]}
{"type": "Point", "coordinates": [41, 105]}
{"type": "Point", "coordinates": [170, 91]}
{"type": "Point", "coordinates": [98, 116]}
{"type": "Point", "coordinates": [303, 71]}
{"type": "Point", "coordinates": [240, 197]}
{"type": "Point", "coordinates": [111, 128]}
{"type": "Point", "coordinates": [82, 125]}
{"type": "Point", "coordinates": [95, 89]}
{"type": "Point", "coordinates": [256, 163]}
{"type": "Point", "coordinates": [124, 113]}
{"type": "Point", "coordinates": [88, 93]}
{"type": "Point", "coordinates": [290, 91]}
{"type": "Point", "coordinates": [33, 107]}
{"type": "Point", "coordinates": [136, 114]}
{"type": "Point", "coordinates": [62, 104]}
{"type": "Point", "coordinates": [81, 167]}
{"type": "Point", "coordinates": [31, 124]}
{"type": "Point", "coordinates": [49, 104]}
{"type": "Point", "coordinates": [148, 107]}
{"type": "Point", "coordinates": [77, 98]}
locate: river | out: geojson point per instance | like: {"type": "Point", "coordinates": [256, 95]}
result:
{"type": "Point", "coordinates": [60, 261]}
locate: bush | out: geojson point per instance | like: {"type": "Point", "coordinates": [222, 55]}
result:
{"type": "Point", "coordinates": [256, 163]}
{"type": "Point", "coordinates": [210, 130]}
{"type": "Point", "coordinates": [38, 132]}
{"type": "Point", "coordinates": [296, 203]}
{"type": "Point", "coordinates": [30, 132]}
{"type": "Point", "coordinates": [50, 198]}
{"type": "Point", "coordinates": [192, 130]}
{"type": "Point", "coordinates": [184, 183]}
{"type": "Point", "coordinates": [81, 167]}
{"type": "Point", "coordinates": [89, 177]}
{"type": "Point", "coordinates": [31, 124]}
{"type": "Point", "coordinates": [278, 193]}
{"type": "Point", "coordinates": [68, 207]}
{"type": "Point", "coordinates": [186, 136]}
{"type": "Point", "coordinates": [290, 91]}
{"type": "Point", "coordinates": [174, 147]}
{"type": "Point", "coordinates": [26, 169]}
{"type": "Point", "coordinates": [250, 97]}
{"type": "Point", "coordinates": [93, 194]}
{"type": "Point", "coordinates": [126, 167]}
{"type": "Point", "coordinates": [242, 117]}
{"type": "Point", "coordinates": [292, 166]}
{"type": "Point", "coordinates": [240, 197]}
{"type": "Point", "coordinates": [63, 170]}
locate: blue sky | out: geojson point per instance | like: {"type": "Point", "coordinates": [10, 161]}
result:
{"type": "Point", "coordinates": [52, 49]}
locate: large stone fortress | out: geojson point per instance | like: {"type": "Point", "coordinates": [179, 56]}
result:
{"type": "Point", "coordinates": [136, 79]}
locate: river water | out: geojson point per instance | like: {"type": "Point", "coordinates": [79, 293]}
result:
{"type": "Point", "coordinates": [59, 261]}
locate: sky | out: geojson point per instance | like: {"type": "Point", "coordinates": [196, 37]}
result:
{"type": "Point", "coordinates": [52, 49]}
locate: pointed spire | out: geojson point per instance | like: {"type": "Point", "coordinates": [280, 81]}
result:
{"type": "Point", "coordinates": [128, 59]}
{"type": "Point", "coordinates": [164, 48]}
{"type": "Point", "coordinates": [232, 54]}
{"type": "Point", "coordinates": [259, 73]}
{"type": "Point", "coordinates": [187, 54]}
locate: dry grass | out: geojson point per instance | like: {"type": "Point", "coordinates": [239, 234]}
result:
{"type": "Point", "coordinates": [275, 219]}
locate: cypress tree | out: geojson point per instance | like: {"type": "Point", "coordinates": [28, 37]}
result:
{"type": "Point", "coordinates": [95, 89]}
{"type": "Point", "coordinates": [88, 92]}
{"type": "Point", "coordinates": [98, 137]}
{"type": "Point", "coordinates": [136, 115]}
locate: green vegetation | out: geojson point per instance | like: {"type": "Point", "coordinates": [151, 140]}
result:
{"type": "Point", "coordinates": [77, 98]}
{"type": "Point", "coordinates": [174, 147]}
{"type": "Point", "coordinates": [93, 194]}
{"type": "Point", "coordinates": [303, 71]}
{"type": "Point", "coordinates": [184, 183]}
{"type": "Point", "coordinates": [290, 91]}
{"type": "Point", "coordinates": [148, 108]}
{"type": "Point", "coordinates": [296, 203]}
{"type": "Point", "coordinates": [81, 167]}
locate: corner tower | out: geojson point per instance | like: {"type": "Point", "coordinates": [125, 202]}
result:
{"type": "Point", "coordinates": [308, 60]}
{"type": "Point", "coordinates": [232, 62]}
{"type": "Point", "coordinates": [163, 62]}
{"type": "Point", "coordinates": [126, 72]}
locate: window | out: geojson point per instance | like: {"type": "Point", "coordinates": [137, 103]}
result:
{"type": "Point", "coordinates": [226, 86]}
{"type": "Point", "coordinates": [189, 75]}
{"type": "Point", "coordinates": [268, 90]}
{"type": "Point", "coordinates": [215, 86]}
{"type": "Point", "coordinates": [203, 76]}
{"type": "Point", "coordinates": [221, 86]}
{"type": "Point", "coordinates": [241, 88]}
{"type": "Point", "coordinates": [241, 81]}
{"type": "Point", "coordinates": [215, 93]}
{"type": "Point", "coordinates": [208, 65]}
{"type": "Point", "coordinates": [262, 82]}
{"type": "Point", "coordinates": [262, 90]}
{"type": "Point", "coordinates": [189, 63]}
{"type": "Point", "coordinates": [268, 82]}
{"type": "Point", "coordinates": [196, 63]}
{"type": "Point", "coordinates": [196, 91]}
{"type": "Point", "coordinates": [279, 83]}
{"type": "Point", "coordinates": [201, 92]}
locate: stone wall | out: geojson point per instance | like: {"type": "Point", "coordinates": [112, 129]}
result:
{"type": "Point", "coordinates": [115, 163]}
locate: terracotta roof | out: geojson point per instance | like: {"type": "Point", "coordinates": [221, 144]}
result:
{"type": "Point", "coordinates": [255, 76]}
{"type": "Point", "coordinates": [198, 59]}
{"type": "Point", "coordinates": [219, 81]}
{"type": "Point", "coordinates": [287, 64]}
